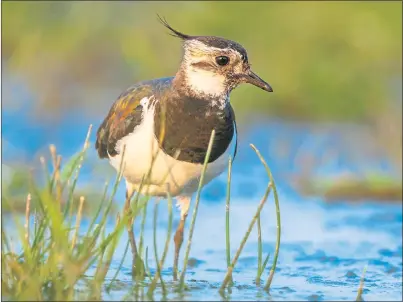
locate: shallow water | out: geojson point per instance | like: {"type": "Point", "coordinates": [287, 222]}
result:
{"type": "Point", "coordinates": [324, 247]}
{"type": "Point", "coordinates": [322, 255]}
{"type": "Point", "coordinates": [323, 252]}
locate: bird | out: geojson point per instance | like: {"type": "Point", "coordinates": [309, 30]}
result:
{"type": "Point", "coordinates": [163, 126]}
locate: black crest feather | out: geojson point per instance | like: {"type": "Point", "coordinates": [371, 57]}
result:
{"type": "Point", "coordinates": [173, 32]}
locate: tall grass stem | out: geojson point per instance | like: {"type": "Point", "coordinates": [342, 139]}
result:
{"type": "Point", "coordinates": [227, 215]}
{"type": "Point", "coordinates": [278, 220]}
{"type": "Point", "coordinates": [78, 221]}
{"type": "Point", "coordinates": [228, 275]}
{"type": "Point", "coordinates": [361, 287]}
{"type": "Point", "coordinates": [192, 225]}
{"type": "Point", "coordinates": [27, 213]}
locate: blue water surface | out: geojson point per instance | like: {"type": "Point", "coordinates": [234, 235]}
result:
{"type": "Point", "coordinates": [324, 247]}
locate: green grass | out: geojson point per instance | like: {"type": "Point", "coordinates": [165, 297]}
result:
{"type": "Point", "coordinates": [228, 276]}
{"type": "Point", "coordinates": [361, 287]}
{"type": "Point", "coordinates": [53, 257]}
{"type": "Point", "coordinates": [382, 188]}
{"type": "Point", "coordinates": [227, 216]}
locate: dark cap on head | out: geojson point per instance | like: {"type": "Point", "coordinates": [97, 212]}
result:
{"type": "Point", "coordinates": [211, 41]}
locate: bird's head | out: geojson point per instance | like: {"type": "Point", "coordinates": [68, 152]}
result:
{"type": "Point", "coordinates": [214, 66]}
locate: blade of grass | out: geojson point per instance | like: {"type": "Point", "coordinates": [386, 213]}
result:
{"type": "Point", "coordinates": [78, 221]}
{"type": "Point", "coordinates": [278, 219]}
{"type": "Point", "coordinates": [227, 216]}
{"type": "Point", "coordinates": [125, 219]}
{"type": "Point", "coordinates": [103, 233]}
{"type": "Point", "coordinates": [87, 260]}
{"type": "Point", "coordinates": [189, 243]}
{"type": "Point", "coordinates": [361, 287]}
{"type": "Point", "coordinates": [101, 204]}
{"type": "Point", "coordinates": [108, 288]}
{"type": "Point", "coordinates": [26, 249]}
{"type": "Point", "coordinates": [143, 221]}
{"type": "Point", "coordinates": [97, 276]}
{"type": "Point", "coordinates": [27, 212]}
{"type": "Point", "coordinates": [69, 167]}
{"type": "Point", "coordinates": [53, 153]}
{"type": "Point", "coordinates": [147, 268]}
{"type": "Point", "coordinates": [127, 216]}
{"type": "Point", "coordinates": [103, 248]}
{"type": "Point", "coordinates": [158, 274]}
{"type": "Point", "coordinates": [46, 171]}
{"type": "Point", "coordinates": [41, 216]}
{"type": "Point", "coordinates": [261, 270]}
{"type": "Point", "coordinates": [245, 238]}
{"type": "Point", "coordinates": [169, 231]}
{"type": "Point", "coordinates": [168, 237]}
{"type": "Point", "coordinates": [100, 277]}
{"type": "Point", "coordinates": [76, 159]}
{"type": "Point", "coordinates": [77, 168]}
{"type": "Point", "coordinates": [140, 269]}
{"type": "Point", "coordinates": [106, 212]}
{"type": "Point", "coordinates": [43, 225]}
{"type": "Point", "coordinates": [58, 232]}
{"type": "Point", "coordinates": [69, 204]}
{"type": "Point", "coordinates": [5, 242]}
{"type": "Point", "coordinates": [117, 232]}
{"type": "Point", "coordinates": [58, 182]}
{"type": "Point", "coordinates": [259, 251]}
{"type": "Point", "coordinates": [55, 182]}
{"type": "Point", "coordinates": [35, 221]}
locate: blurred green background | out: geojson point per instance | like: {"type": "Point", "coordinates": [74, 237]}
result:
{"type": "Point", "coordinates": [328, 62]}
{"type": "Point", "coordinates": [325, 60]}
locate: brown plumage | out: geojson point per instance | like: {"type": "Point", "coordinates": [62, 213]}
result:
{"type": "Point", "coordinates": [125, 114]}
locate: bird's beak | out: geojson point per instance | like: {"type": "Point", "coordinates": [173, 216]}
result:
{"type": "Point", "coordinates": [252, 78]}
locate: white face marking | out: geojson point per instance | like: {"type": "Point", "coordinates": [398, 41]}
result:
{"type": "Point", "coordinates": [200, 80]}
{"type": "Point", "coordinates": [205, 82]}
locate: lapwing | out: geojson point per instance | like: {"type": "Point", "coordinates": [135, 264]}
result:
{"type": "Point", "coordinates": [163, 126]}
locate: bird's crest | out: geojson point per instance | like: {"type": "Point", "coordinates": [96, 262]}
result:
{"type": "Point", "coordinates": [173, 32]}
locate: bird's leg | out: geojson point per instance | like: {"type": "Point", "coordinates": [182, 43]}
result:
{"type": "Point", "coordinates": [137, 263]}
{"type": "Point", "coordinates": [183, 204]}
{"type": "Point", "coordinates": [130, 229]}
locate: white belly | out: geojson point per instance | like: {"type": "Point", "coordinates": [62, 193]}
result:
{"type": "Point", "coordinates": [182, 178]}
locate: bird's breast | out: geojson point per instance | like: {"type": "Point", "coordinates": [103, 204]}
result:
{"type": "Point", "coordinates": [183, 129]}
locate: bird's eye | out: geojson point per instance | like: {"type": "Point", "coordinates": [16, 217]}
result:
{"type": "Point", "coordinates": [222, 60]}
{"type": "Point", "coordinates": [244, 58]}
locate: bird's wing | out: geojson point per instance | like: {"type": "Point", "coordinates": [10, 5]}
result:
{"type": "Point", "coordinates": [123, 117]}
{"type": "Point", "coordinates": [126, 114]}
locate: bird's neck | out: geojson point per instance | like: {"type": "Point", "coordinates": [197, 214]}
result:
{"type": "Point", "coordinates": [201, 84]}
